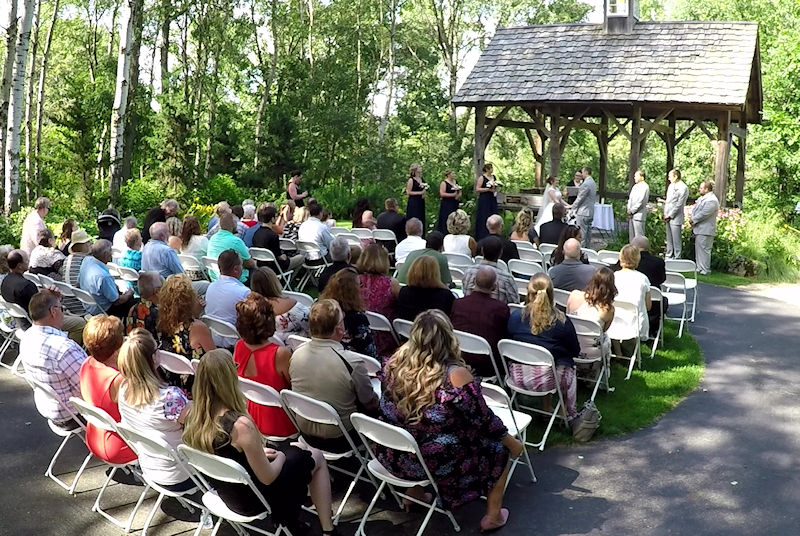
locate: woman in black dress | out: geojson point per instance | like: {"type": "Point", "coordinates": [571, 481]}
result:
{"type": "Point", "coordinates": [293, 192]}
{"type": "Point", "coordinates": [415, 189]}
{"type": "Point", "coordinates": [486, 188]}
{"type": "Point", "coordinates": [450, 193]}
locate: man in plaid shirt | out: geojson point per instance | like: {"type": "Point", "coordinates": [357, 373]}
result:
{"type": "Point", "coordinates": [52, 358]}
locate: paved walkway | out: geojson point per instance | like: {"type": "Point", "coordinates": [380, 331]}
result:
{"type": "Point", "coordinates": [722, 462]}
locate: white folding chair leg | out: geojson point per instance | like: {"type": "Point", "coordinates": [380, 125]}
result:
{"type": "Point", "coordinates": [600, 377]}
{"type": "Point", "coordinates": [49, 472]}
{"type": "Point", "coordinates": [516, 461]}
{"type": "Point", "coordinates": [634, 358]}
{"type": "Point", "coordinates": [694, 301]}
{"type": "Point", "coordinates": [124, 525]}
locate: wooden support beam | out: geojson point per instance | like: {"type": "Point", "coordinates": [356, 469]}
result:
{"type": "Point", "coordinates": [564, 133]}
{"type": "Point", "coordinates": [580, 124]}
{"type": "Point", "coordinates": [722, 157]}
{"type": "Point", "coordinates": [555, 143]}
{"type": "Point", "coordinates": [739, 132]}
{"type": "Point", "coordinates": [700, 123]}
{"type": "Point", "coordinates": [636, 137]}
{"type": "Point", "coordinates": [671, 143]}
{"type": "Point", "coordinates": [616, 132]}
{"type": "Point", "coordinates": [491, 125]}
{"type": "Point", "coordinates": [512, 123]}
{"type": "Point", "coordinates": [740, 160]}
{"type": "Point", "coordinates": [685, 134]}
{"type": "Point", "coordinates": [620, 127]}
{"type": "Point", "coordinates": [479, 155]}
{"type": "Point", "coordinates": [535, 143]}
{"type": "Point", "coordinates": [602, 145]}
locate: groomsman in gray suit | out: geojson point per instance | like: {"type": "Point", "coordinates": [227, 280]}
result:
{"type": "Point", "coordinates": [584, 206]}
{"type": "Point", "coordinates": [677, 193]}
{"type": "Point", "coordinates": [637, 206]}
{"type": "Point", "coordinates": [704, 225]}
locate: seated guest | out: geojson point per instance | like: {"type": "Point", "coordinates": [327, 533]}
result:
{"type": "Point", "coordinates": [550, 232]}
{"type": "Point", "coordinates": [152, 408]}
{"type": "Point", "coordinates": [314, 231]}
{"type": "Point", "coordinates": [238, 214]}
{"type": "Point", "coordinates": [52, 358]}
{"type": "Point", "coordinates": [368, 220]}
{"type": "Point", "coordinates": [431, 394]}
{"type": "Point", "coordinates": [16, 289]}
{"type": "Point", "coordinates": [391, 219]}
{"type": "Point", "coordinates": [194, 243]}
{"type": "Point", "coordinates": [80, 245]}
{"type": "Point", "coordinates": [213, 223]}
{"type": "Point", "coordinates": [633, 286]}
{"type": "Point", "coordinates": [175, 227]}
{"type": "Point", "coordinates": [378, 290]}
{"type": "Point", "coordinates": [570, 231]}
{"type": "Point", "coordinates": [179, 328]}
{"type": "Point", "coordinates": [285, 215]}
{"type": "Point", "coordinates": [292, 227]}
{"type": "Point", "coordinates": [291, 316]}
{"type": "Point", "coordinates": [655, 270]}
{"type": "Point", "coordinates": [95, 279]}
{"type": "Point", "coordinates": [133, 250]}
{"type": "Point", "coordinates": [45, 258]}
{"type": "Point", "coordinates": [100, 381]}
{"type": "Point", "coordinates": [249, 215]}
{"type": "Point", "coordinates": [524, 229]}
{"type": "Point", "coordinates": [433, 248]}
{"type": "Point", "coordinates": [64, 240]}
{"type": "Point", "coordinates": [340, 254]}
{"type": "Point", "coordinates": [145, 313]}
{"type": "Point", "coordinates": [571, 274]}
{"type": "Point", "coordinates": [424, 291]}
{"type": "Point", "coordinates": [259, 359]}
{"type": "Point", "coordinates": [344, 288]}
{"type": "Point", "coordinates": [542, 324]}
{"type": "Point", "coordinates": [225, 239]}
{"type": "Point", "coordinates": [362, 205]}
{"type": "Point", "coordinates": [168, 208]}
{"type": "Point", "coordinates": [218, 423]}
{"type": "Point", "coordinates": [458, 241]}
{"type": "Point", "coordinates": [597, 301]}
{"type": "Point", "coordinates": [505, 288]}
{"type": "Point", "coordinates": [412, 242]}
{"type": "Point", "coordinates": [157, 256]}
{"type": "Point", "coordinates": [5, 249]}
{"type": "Point", "coordinates": [118, 242]}
{"type": "Point", "coordinates": [224, 293]}
{"type": "Point", "coordinates": [108, 223]}
{"type": "Point", "coordinates": [494, 224]}
{"type": "Point", "coordinates": [265, 237]}
{"type": "Point", "coordinates": [480, 314]}
{"type": "Point", "coordinates": [345, 387]}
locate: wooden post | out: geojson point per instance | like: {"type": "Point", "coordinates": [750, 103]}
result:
{"type": "Point", "coordinates": [602, 145]}
{"type": "Point", "coordinates": [722, 157]}
{"type": "Point", "coordinates": [535, 143]}
{"type": "Point", "coordinates": [669, 141]}
{"type": "Point", "coordinates": [636, 139]}
{"type": "Point", "coordinates": [555, 142]}
{"type": "Point", "coordinates": [479, 158]}
{"type": "Point", "coordinates": [740, 161]}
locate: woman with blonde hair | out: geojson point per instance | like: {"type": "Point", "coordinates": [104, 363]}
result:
{"type": "Point", "coordinates": [344, 287]}
{"type": "Point", "coordinates": [291, 316]}
{"type": "Point", "coordinates": [378, 290]}
{"type": "Point", "coordinates": [424, 290]}
{"type": "Point", "coordinates": [542, 324]}
{"type": "Point", "coordinates": [430, 392]}
{"type": "Point", "coordinates": [633, 286]}
{"type": "Point", "coordinates": [290, 229]}
{"type": "Point", "coordinates": [218, 423]}
{"type": "Point", "coordinates": [523, 227]}
{"type": "Point", "coordinates": [179, 328]}
{"type": "Point", "coordinates": [151, 407]}
{"type": "Point", "coordinates": [458, 241]}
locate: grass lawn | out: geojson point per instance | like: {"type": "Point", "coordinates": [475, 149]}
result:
{"type": "Point", "coordinates": [726, 280]}
{"type": "Point", "coordinates": [657, 387]}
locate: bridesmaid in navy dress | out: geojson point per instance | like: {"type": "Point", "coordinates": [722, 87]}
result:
{"type": "Point", "coordinates": [450, 193]}
{"type": "Point", "coordinates": [415, 189]}
{"type": "Point", "coordinates": [486, 189]}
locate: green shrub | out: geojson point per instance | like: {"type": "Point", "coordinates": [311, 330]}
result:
{"type": "Point", "coordinates": [220, 188]}
{"type": "Point", "coordinates": [140, 195]}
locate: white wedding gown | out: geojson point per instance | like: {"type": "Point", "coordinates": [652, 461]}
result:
{"type": "Point", "coordinates": [546, 212]}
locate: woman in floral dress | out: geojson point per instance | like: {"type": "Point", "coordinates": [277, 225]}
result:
{"type": "Point", "coordinates": [344, 288]}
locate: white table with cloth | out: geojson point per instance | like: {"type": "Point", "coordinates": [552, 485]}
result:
{"type": "Point", "coordinates": [603, 217]}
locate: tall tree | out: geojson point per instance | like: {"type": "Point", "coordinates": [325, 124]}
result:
{"type": "Point", "coordinates": [118, 113]}
{"type": "Point", "coordinates": [29, 107]}
{"type": "Point", "coordinates": [5, 84]}
{"type": "Point", "coordinates": [40, 96]}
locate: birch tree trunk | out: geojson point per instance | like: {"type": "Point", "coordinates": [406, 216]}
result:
{"type": "Point", "coordinates": [5, 85]}
{"type": "Point", "coordinates": [268, 81]}
{"type": "Point", "coordinates": [40, 95]}
{"type": "Point", "coordinates": [133, 118]}
{"type": "Point", "coordinates": [16, 103]}
{"type": "Point", "coordinates": [118, 113]}
{"type": "Point", "coordinates": [29, 105]}
{"type": "Point", "coordinates": [390, 72]}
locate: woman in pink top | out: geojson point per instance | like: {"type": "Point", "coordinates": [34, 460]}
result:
{"type": "Point", "coordinates": [100, 381]}
{"type": "Point", "coordinates": [378, 290]}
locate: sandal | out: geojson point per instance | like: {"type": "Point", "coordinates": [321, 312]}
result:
{"type": "Point", "coordinates": [488, 525]}
{"type": "Point", "coordinates": [426, 498]}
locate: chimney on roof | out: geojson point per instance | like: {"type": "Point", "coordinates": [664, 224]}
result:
{"type": "Point", "coordinates": [620, 16]}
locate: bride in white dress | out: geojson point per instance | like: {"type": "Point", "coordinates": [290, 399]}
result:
{"type": "Point", "coordinates": [550, 197]}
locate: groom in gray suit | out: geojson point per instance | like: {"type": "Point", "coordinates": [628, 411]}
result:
{"type": "Point", "coordinates": [584, 206]}
{"type": "Point", "coordinates": [637, 206]}
{"type": "Point", "coordinates": [704, 225]}
{"type": "Point", "coordinates": [677, 194]}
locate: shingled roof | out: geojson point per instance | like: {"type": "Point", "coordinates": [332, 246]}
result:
{"type": "Point", "coordinates": [704, 63]}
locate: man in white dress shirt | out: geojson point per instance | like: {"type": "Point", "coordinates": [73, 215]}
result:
{"type": "Point", "coordinates": [677, 193]}
{"type": "Point", "coordinates": [313, 230]}
{"type": "Point", "coordinates": [704, 225]}
{"type": "Point", "coordinates": [412, 242]}
{"type": "Point", "coordinates": [34, 222]}
{"type": "Point", "coordinates": [637, 206]}
{"type": "Point", "coordinates": [584, 206]}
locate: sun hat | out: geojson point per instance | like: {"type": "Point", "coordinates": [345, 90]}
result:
{"type": "Point", "coordinates": [79, 236]}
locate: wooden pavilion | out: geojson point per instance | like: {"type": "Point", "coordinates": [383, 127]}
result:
{"type": "Point", "coordinates": [621, 78]}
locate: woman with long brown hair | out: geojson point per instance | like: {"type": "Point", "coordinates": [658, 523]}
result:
{"type": "Point", "coordinates": [597, 301]}
{"type": "Point", "coordinates": [291, 316]}
{"type": "Point", "coordinates": [430, 392]}
{"type": "Point", "coordinates": [344, 287]}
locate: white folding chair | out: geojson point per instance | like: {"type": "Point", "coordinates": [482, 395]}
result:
{"type": "Point", "coordinates": [608, 256]}
{"type": "Point", "coordinates": [263, 395]}
{"type": "Point", "coordinates": [373, 367]}
{"type": "Point", "coordinates": [532, 255]}
{"type": "Point", "coordinates": [625, 326]}
{"type": "Point", "coordinates": [378, 322]}
{"type": "Point", "coordinates": [14, 334]}
{"type": "Point", "coordinates": [458, 260]}
{"type": "Point", "coordinates": [211, 265]}
{"type": "Point", "coordinates": [128, 274]}
{"type": "Point", "coordinates": [590, 254]}
{"type": "Point", "coordinates": [102, 420]}
{"type": "Point", "coordinates": [547, 249]}
{"type": "Point", "coordinates": [321, 412]}
{"type": "Point", "coordinates": [310, 271]}
{"type": "Point", "coordinates": [190, 264]}
{"type": "Point", "coordinates": [374, 431]}
{"type": "Point", "coordinates": [113, 269]}
{"type": "Point", "coordinates": [33, 278]}
{"type": "Point", "coordinates": [361, 232]}
{"type": "Point", "coordinates": [517, 422]}
{"type": "Point", "coordinates": [560, 296]}
{"type": "Point", "coordinates": [457, 275]}
{"type": "Point", "coordinates": [685, 267]}
{"type": "Point", "coordinates": [117, 253]}
{"type": "Point", "coordinates": [598, 263]}
{"type": "Point", "coordinates": [515, 306]}
{"type": "Point", "coordinates": [42, 392]}
{"type": "Point", "coordinates": [385, 235]}
{"type": "Point", "coordinates": [402, 327]}
{"type": "Point", "coordinates": [501, 264]}
{"type": "Point", "coordinates": [590, 336]}
{"type": "Point", "coordinates": [351, 238]}
{"type": "Point", "coordinates": [8, 331]}
{"type": "Point", "coordinates": [336, 231]}
{"type": "Point", "coordinates": [47, 282]}
{"type": "Point", "coordinates": [524, 269]}
{"type": "Point", "coordinates": [522, 288]}
{"type": "Point", "coordinates": [265, 255]}
{"type": "Point", "coordinates": [524, 354]}
{"type": "Point", "coordinates": [293, 342]}
{"type": "Point", "coordinates": [173, 362]}
{"type": "Point", "coordinates": [85, 298]}
{"type": "Point", "coordinates": [287, 245]}
{"type": "Point", "coordinates": [474, 344]}
{"type": "Point", "coordinates": [301, 297]}
{"type": "Point", "coordinates": [524, 245]}
{"type": "Point", "coordinates": [657, 299]}
{"type": "Point", "coordinates": [226, 470]}
{"type": "Point", "coordinates": [398, 265]}
{"type": "Point", "coordinates": [676, 294]}
{"type": "Point", "coordinates": [220, 328]}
